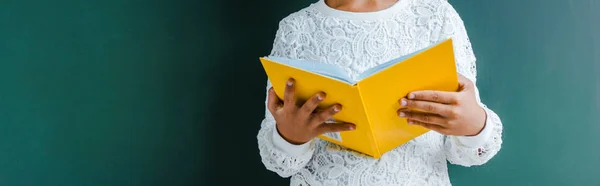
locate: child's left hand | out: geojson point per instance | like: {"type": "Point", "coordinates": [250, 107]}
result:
{"type": "Point", "coordinates": [449, 113]}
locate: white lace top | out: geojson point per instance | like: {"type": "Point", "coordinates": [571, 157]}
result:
{"type": "Point", "coordinates": [356, 42]}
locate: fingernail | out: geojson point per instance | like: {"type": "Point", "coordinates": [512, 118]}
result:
{"type": "Point", "coordinates": [403, 102]}
{"type": "Point", "coordinates": [336, 108]}
{"type": "Point", "coordinates": [411, 122]}
{"type": "Point", "coordinates": [351, 127]}
{"type": "Point", "coordinates": [411, 96]}
{"type": "Point", "coordinates": [289, 83]}
{"type": "Point", "coordinates": [402, 114]}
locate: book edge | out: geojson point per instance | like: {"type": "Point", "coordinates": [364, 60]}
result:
{"type": "Point", "coordinates": [340, 80]}
{"type": "Point", "coordinates": [416, 53]}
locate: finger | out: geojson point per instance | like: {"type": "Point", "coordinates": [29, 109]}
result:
{"type": "Point", "coordinates": [274, 103]}
{"type": "Point", "coordinates": [335, 127]}
{"type": "Point", "coordinates": [434, 96]}
{"type": "Point", "coordinates": [423, 117]}
{"type": "Point", "coordinates": [289, 97]}
{"type": "Point", "coordinates": [312, 103]}
{"type": "Point", "coordinates": [437, 128]}
{"type": "Point", "coordinates": [324, 115]}
{"type": "Point", "coordinates": [431, 107]}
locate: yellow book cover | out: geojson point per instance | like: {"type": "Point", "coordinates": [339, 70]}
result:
{"type": "Point", "coordinates": [370, 101]}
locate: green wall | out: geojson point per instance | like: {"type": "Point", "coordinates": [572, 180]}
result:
{"type": "Point", "coordinates": [157, 92]}
{"type": "Point", "coordinates": [539, 68]}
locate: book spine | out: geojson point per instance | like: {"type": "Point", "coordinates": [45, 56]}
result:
{"type": "Point", "coordinates": [371, 136]}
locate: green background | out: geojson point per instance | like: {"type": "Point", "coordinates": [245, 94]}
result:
{"type": "Point", "coordinates": [170, 92]}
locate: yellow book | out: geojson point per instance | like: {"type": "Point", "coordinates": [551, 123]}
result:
{"type": "Point", "coordinates": [371, 101]}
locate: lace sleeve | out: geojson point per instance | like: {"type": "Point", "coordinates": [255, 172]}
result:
{"type": "Point", "coordinates": [281, 161]}
{"type": "Point", "coordinates": [460, 150]}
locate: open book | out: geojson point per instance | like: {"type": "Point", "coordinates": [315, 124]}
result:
{"type": "Point", "coordinates": [371, 100]}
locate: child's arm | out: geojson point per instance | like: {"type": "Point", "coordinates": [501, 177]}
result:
{"type": "Point", "coordinates": [475, 150]}
{"type": "Point", "coordinates": [474, 132]}
{"type": "Point", "coordinates": [278, 155]}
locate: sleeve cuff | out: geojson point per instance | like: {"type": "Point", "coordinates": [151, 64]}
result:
{"type": "Point", "coordinates": [291, 149]}
{"type": "Point", "coordinates": [482, 137]}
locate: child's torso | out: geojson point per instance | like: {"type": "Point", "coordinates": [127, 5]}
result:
{"type": "Point", "coordinates": [357, 45]}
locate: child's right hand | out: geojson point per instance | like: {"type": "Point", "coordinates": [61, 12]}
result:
{"type": "Point", "coordinates": [299, 125]}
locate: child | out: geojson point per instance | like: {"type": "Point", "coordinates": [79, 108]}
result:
{"type": "Point", "coordinates": [357, 35]}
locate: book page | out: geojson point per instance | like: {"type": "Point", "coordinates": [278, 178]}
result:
{"type": "Point", "coordinates": [324, 69]}
{"type": "Point", "coordinates": [385, 65]}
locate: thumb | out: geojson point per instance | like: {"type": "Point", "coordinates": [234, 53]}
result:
{"type": "Point", "coordinates": [463, 82]}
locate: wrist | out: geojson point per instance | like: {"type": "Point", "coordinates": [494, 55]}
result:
{"type": "Point", "coordinates": [293, 142]}
{"type": "Point", "coordinates": [482, 137]}
{"type": "Point", "coordinates": [286, 147]}
{"type": "Point", "coordinates": [480, 122]}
